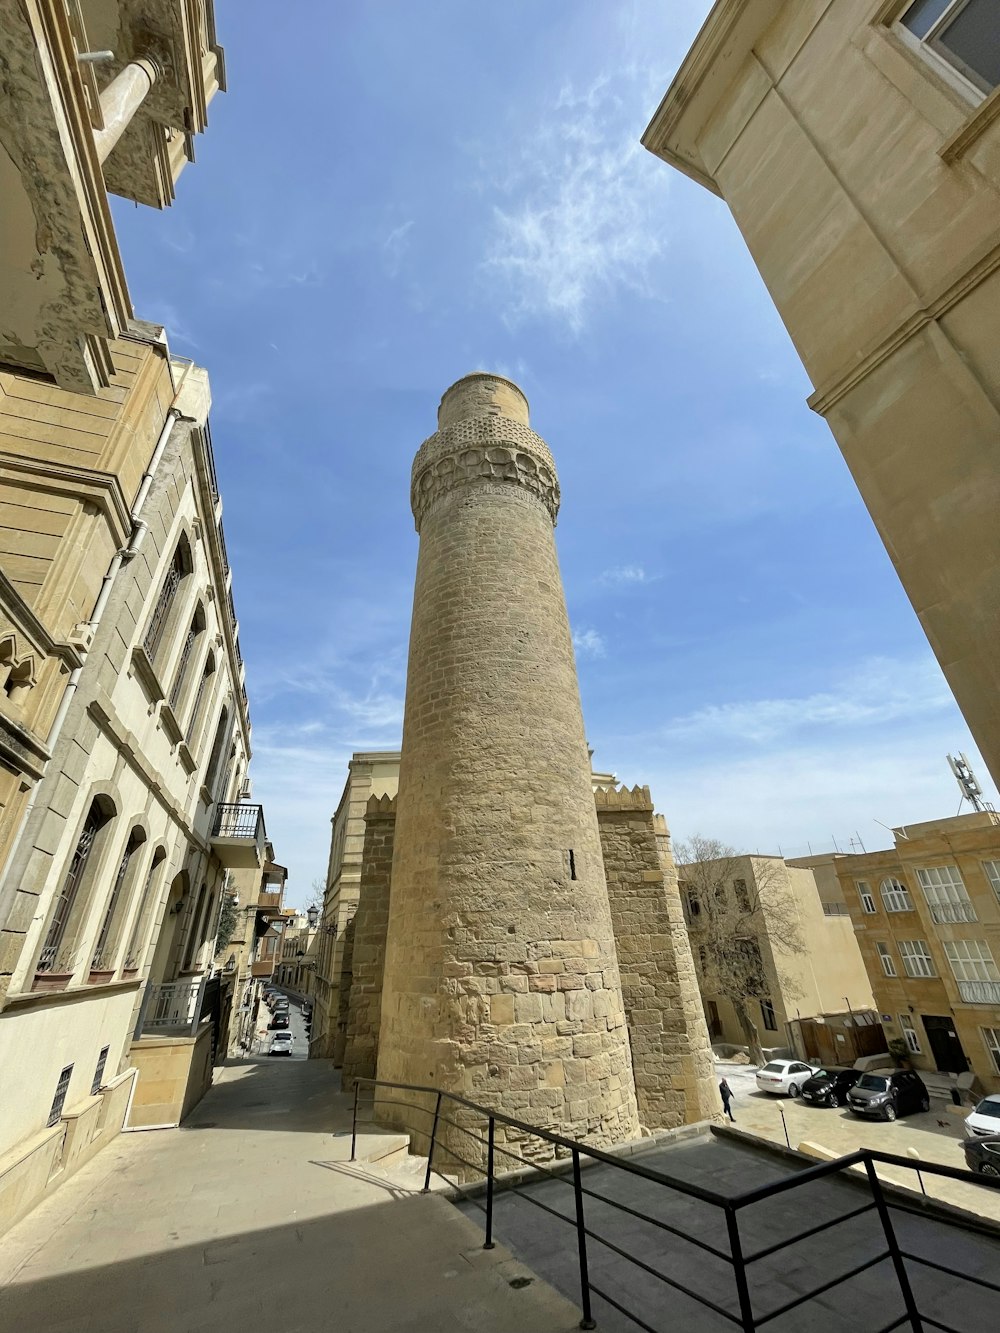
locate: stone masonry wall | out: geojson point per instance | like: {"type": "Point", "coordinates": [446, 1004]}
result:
{"type": "Point", "coordinates": [671, 1054]}
{"type": "Point", "coordinates": [371, 922]}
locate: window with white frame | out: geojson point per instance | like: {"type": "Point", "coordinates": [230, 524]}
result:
{"type": "Point", "coordinates": [992, 870]}
{"type": "Point", "coordinates": [866, 896]}
{"type": "Point", "coordinates": [910, 1034]}
{"type": "Point", "coordinates": [946, 894]}
{"type": "Point", "coordinates": [887, 960]}
{"type": "Point", "coordinates": [917, 960]}
{"type": "Point", "coordinates": [971, 960]}
{"type": "Point", "coordinates": [991, 1036]}
{"type": "Point", "coordinates": [958, 37]}
{"type": "Point", "coordinates": [895, 895]}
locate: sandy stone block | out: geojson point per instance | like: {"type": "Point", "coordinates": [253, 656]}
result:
{"type": "Point", "coordinates": [588, 1044]}
{"type": "Point", "coordinates": [551, 965]}
{"type": "Point", "coordinates": [540, 984]}
{"type": "Point", "coordinates": [590, 949]}
{"type": "Point", "coordinates": [580, 1005]}
{"type": "Point", "coordinates": [515, 984]}
{"type": "Point", "coordinates": [554, 1075]}
{"type": "Point", "coordinates": [502, 1010]}
{"type": "Point", "coordinates": [528, 1008]}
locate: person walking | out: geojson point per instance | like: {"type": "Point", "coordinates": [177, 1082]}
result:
{"type": "Point", "coordinates": [726, 1093]}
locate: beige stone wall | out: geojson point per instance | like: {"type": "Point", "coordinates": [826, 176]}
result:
{"type": "Point", "coordinates": [865, 179]}
{"type": "Point", "coordinates": [671, 1056]}
{"type": "Point", "coordinates": [362, 1014]}
{"type": "Point", "coordinates": [174, 1075]}
{"type": "Point", "coordinates": [501, 977]}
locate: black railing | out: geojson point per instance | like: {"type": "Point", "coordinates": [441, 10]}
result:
{"type": "Point", "coordinates": [236, 820]}
{"type": "Point", "coordinates": [564, 1165]}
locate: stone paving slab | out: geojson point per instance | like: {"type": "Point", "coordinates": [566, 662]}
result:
{"type": "Point", "coordinates": [250, 1215]}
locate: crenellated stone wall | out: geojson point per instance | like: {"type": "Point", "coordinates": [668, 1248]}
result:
{"type": "Point", "coordinates": [671, 1053]}
{"type": "Point", "coordinates": [367, 946]}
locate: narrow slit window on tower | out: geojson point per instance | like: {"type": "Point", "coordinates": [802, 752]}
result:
{"type": "Point", "coordinates": [572, 864]}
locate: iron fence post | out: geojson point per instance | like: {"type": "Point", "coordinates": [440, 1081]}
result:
{"type": "Point", "coordinates": [747, 1321]}
{"type": "Point", "coordinates": [489, 1186]}
{"type": "Point", "coordinates": [430, 1150]}
{"type": "Point", "coordinates": [354, 1122]}
{"type": "Point", "coordinates": [581, 1239]}
{"type": "Point", "coordinates": [913, 1314]}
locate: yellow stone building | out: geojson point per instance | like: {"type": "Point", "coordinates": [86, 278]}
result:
{"type": "Point", "coordinates": [927, 917]}
{"type": "Point", "coordinates": [124, 720]}
{"type": "Point", "coordinates": [777, 904]}
{"type": "Point", "coordinates": [857, 145]}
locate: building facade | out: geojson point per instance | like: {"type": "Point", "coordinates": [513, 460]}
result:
{"type": "Point", "coordinates": [805, 959]}
{"type": "Point", "coordinates": [857, 145]}
{"type": "Point", "coordinates": [927, 917]}
{"type": "Point", "coordinates": [249, 954]}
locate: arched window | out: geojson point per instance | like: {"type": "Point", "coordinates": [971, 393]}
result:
{"type": "Point", "coordinates": [200, 705]}
{"type": "Point", "coordinates": [180, 569]}
{"type": "Point", "coordinates": [52, 958]}
{"type": "Point", "coordinates": [147, 902]}
{"type": "Point", "coordinates": [106, 946]}
{"type": "Point", "coordinates": [195, 630]}
{"type": "Point", "coordinates": [895, 895]}
{"type": "Point", "coordinates": [218, 747]}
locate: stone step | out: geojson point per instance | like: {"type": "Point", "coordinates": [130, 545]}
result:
{"type": "Point", "coordinates": [384, 1148]}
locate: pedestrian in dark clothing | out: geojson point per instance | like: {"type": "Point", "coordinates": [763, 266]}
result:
{"type": "Point", "coordinates": [726, 1092]}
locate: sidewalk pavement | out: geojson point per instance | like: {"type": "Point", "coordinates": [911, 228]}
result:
{"type": "Point", "coordinates": [252, 1214]}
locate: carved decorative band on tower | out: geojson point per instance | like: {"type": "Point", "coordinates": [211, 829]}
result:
{"type": "Point", "coordinates": [501, 977]}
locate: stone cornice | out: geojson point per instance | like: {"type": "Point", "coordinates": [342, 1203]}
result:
{"type": "Point", "coordinates": [492, 452]}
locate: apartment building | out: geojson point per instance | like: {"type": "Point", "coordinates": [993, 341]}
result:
{"type": "Point", "coordinates": [248, 954]}
{"type": "Point", "coordinates": [768, 948]}
{"type": "Point", "coordinates": [927, 917]}
{"type": "Point", "coordinates": [857, 145]}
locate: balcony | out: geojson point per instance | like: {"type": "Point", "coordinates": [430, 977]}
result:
{"type": "Point", "coordinates": [263, 967]}
{"type": "Point", "coordinates": [979, 992]}
{"type": "Point", "coordinates": [238, 835]}
{"type": "Point", "coordinates": [269, 902]}
{"type": "Point", "coordinates": [948, 914]}
{"type": "Point", "coordinates": [171, 1009]}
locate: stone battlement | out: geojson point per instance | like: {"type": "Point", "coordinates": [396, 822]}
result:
{"type": "Point", "coordinates": [624, 798]}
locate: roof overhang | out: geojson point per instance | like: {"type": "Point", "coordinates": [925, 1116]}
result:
{"type": "Point", "coordinates": [726, 38]}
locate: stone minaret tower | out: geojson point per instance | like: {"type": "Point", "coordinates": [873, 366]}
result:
{"type": "Point", "coordinates": [501, 978]}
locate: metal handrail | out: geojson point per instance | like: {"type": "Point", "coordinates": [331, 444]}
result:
{"type": "Point", "coordinates": [747, 1319]}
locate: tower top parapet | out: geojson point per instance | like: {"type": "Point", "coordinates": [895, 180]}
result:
{"type": "Point", "coordinates": [482, 395]}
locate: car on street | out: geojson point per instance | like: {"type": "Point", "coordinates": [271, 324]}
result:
{"type": "Point", "coordinates": [830, 1085]}
{"type": "Point", "coordinates": [982, 1155]}
{"type": "Point", "coordinates": [985, 1119]}
{"type": "Point", "coordinates": [279, 1021]}
{"type": "Point", "coordinates": [281, 1044]}
{"type": "Point", "coordinates": [885, 1094]}
{"type": "Point", "coordinates": [784, 1076]}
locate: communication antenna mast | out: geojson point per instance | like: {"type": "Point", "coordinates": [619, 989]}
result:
{"type": "Point", "coordinates": [967, 783]}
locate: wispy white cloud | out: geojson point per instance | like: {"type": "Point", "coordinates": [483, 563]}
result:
{"type": "Point", "coordinates": [576, 217]}
{"type": "Point", "coordinates": [395, 246]}
{"type": "Point", "coordinates": [879, 692]}
{"type": "Point", "coordinates": [588, 643]}
{"type": "Point", "coordinates": [619, 574]}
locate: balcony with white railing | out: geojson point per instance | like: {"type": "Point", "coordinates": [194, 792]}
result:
{"type": "Point", "coordinates": [979, 992]}
{"type": "Point", "coordinates": [949, 914]}
{"type": "Point", "coordinates": [171, 1009]}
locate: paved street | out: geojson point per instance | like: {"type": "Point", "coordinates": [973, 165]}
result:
{"type": "Point", "coordinates": [251, 1216]}
{"type": "Point", "coordinates": [936, 1135]}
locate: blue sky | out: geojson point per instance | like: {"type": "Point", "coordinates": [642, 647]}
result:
{"type": "Point", "coordinates": [392, 195]}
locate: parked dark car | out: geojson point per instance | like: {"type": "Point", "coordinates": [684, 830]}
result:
{"type": "Point", "coordinates": [886, 1093]}
{"type": "Point", "coordinates": [830, 1086]}
{"type": "Point", "coordinates": [279, 1021]}
{"type": "Point", "coordinates": [982, 1155]}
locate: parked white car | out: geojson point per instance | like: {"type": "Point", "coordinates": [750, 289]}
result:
{"type": "Point", "coordinates": [784, 1076]}
{"type": "Point", "coordinates": [985, 1119]}
{"type": "Point", "coordinates": [281, 1044]}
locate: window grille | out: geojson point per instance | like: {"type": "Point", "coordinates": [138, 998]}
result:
{"type": "Point", "coordinates": [70, 888]}
{"type": "Point", "coordinates": [102, 1060]}
{"type": "Point", "coordinates": [886, 958]}
{"type": "Point", "coordinates": [59, 1100]}
{"type": "Point", "coordinates": [767, 1014]}
{"type": "Point", "coordinates": [946, 895]}
{"type": "Point", "coordinates": [917, 960]}
{"type": "Point", "coordinates": [867, 900]}
{"type": "Point", "coordinates": [895, 896]}
{"type": "Point", "coordinates": [189, 640]}
{"type": "Point", "coordinates": [99, 960]}
{"type": "Point", "coordinates": [161, 612]}
{"type": "Point", "coordinates": [910, 1033]}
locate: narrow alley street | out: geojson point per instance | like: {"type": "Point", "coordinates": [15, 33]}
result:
{"type": "Point", "coordinates": [252, 1214]}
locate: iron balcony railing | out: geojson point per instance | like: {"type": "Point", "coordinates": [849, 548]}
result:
{"type": "Point", "coordinates": [236, 820]}
{"type": "Point", "coordinates": [172, 1007]}
{"type": "Point", "coordinates": [735, 1255]}
{"type": "Point", "coordinates": [953, 913]}
{"type": "Point", "coordinates": [980, 992]}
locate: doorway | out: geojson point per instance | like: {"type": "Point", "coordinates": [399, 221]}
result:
{"type": "Point", "coordinates": [945, 1045]}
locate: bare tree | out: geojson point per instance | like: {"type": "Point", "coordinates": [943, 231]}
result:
{"type": "Point", "coordinates": [730, 913]}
